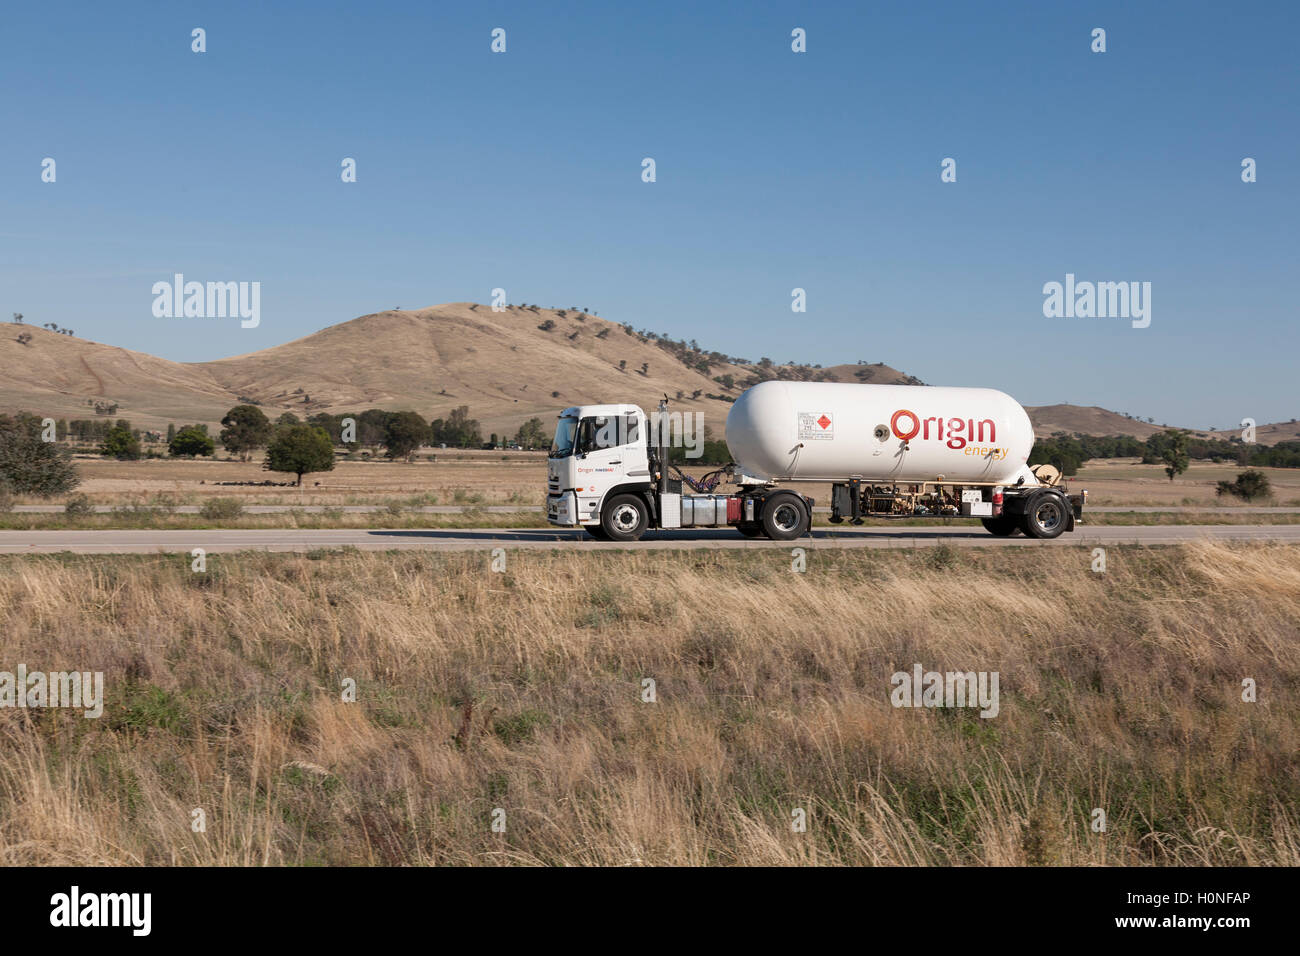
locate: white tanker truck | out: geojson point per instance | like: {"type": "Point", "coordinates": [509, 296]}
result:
{"type": "Point", "coordinates": [889, 451]}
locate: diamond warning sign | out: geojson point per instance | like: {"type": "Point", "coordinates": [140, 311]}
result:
{"type": "Point", "coordinates": [815, 425]}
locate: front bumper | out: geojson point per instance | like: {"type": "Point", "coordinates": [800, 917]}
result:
{"type": "Point", "coordinates": [562, 509]}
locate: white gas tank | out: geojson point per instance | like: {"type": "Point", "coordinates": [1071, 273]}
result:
{"type": "Point", "coordinates": [905, 433]}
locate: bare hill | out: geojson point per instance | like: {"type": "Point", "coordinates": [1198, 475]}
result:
{"type": "Point", "coordinates": [506, 366]}
{"type": "Point", "coordinates": [1090, 420]}
{"type": "Point", "coordinates": [62, 376]}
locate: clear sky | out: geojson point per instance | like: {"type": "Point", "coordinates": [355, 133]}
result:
{"type": "Point", "coordinates": [775, 170]}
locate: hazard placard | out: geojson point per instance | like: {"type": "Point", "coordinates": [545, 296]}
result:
{"type": "Point", "coordinates": [816, 425]}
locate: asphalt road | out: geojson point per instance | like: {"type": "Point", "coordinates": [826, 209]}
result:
{"type": "Point", "coordinates": [439, 539]}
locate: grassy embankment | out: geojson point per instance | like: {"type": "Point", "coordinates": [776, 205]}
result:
{"type": "Point", "coordinates": [522, 690]}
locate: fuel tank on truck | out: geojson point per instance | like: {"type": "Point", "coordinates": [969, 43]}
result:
{"type": "Point", "coordinates": [831, 431]}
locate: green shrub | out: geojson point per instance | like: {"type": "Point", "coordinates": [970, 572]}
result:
{"type": "Point", "coordinates": [78, 506]}
{"type": "Point", "coordinates": [216, 508]}
{"type": "Point", "coordinates": [1249, 486]}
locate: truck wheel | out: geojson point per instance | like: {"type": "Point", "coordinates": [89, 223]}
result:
{"type": "Point", "coordinates": [1046, 516]}
{"type": "Point", "coordinates": [596, 531]}
{"type": "Point", "coordinates": [749, 530]}
{"type": "Point", "coordinates": [624, 518]}
{"type": "Point", "coordinates": [1003, 527]}
{"type": "Point", "coordinates": [784, 518]}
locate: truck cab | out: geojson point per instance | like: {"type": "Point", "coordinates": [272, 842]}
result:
{"type": "Point", "coordinates": [598, 451]}
{"type": "Point", "coordinates": [608, 473]}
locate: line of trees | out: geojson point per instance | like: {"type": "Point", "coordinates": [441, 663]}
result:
{"type": "Point", "coordinates": [1069, 452]}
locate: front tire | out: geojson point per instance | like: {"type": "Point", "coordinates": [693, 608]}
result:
{"type": "Point", "coordinates": [596, 531]}
{"type": "Point", "coordinates": [1046, 516]}
{"type": "Point", "coordinates": [1003, 527]}
{"type": "Point", "coordinates": [624, 518]}
{"type": "Point", "coordinates": [785, 517]}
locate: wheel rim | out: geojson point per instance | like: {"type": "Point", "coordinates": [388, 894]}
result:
{"type": "Point", "coordinates": [786, 517]}
{"type": "Point", "coordinates": [1048, 515]}
{"type": "Point", "coordinates": [625, 518]}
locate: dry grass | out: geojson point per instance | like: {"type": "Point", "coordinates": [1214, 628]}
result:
{"type": "Point", "coordinates": [499, 478]}
{"type": "Point", "coordinates": [521, 690]}
{"type": "Point", "coordinates": [1127, 482]}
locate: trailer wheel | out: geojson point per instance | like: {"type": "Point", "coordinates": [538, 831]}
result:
{"type": "Point", "coordinates": [784, 517]}
{"type": "Point", "coordinates": [1046, 516]}
{"type": "Point", "coordinates": [596, 531]}
{"type": "Point", "coordinates": [624, 518]}
{"type": "Point", "coordinates": [750, 530]}
{"type": "Point", "coordinates": [1004, 526]}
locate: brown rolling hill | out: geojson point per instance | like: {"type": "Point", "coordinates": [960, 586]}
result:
{"type": "Point", "coordinates": [1090, 420]}
{"type": "Point", "coordinates": [62, 376]}
{"type": "Point", "coordinates": [506, 366]}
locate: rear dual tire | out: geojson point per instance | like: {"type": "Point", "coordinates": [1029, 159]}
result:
{"type": "Point", "coordinates": [785, 517]}
{"type": "Point", "coordinates": [1004, 526]}
{"type": "Point", "coordinates": [1046, 516]}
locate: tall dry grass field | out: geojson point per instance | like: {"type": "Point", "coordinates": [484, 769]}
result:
{"type": "Point", "coordinates": [522, 691]}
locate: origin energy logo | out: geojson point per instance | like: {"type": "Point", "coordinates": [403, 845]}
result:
{"type": "Point", "coordinates": [907, 425]}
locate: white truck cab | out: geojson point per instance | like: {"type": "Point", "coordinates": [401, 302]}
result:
{"type": "Point", "coordinates": [597, 450]}
{"type": "Point", "coordinates": [608, 473]}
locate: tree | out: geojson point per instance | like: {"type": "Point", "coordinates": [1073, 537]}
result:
{"type": "Point", "coordinates": [190, 441]}
{"type": "Point", "coordinates": [288, 418]}
{"type": "Point", "coordinates": [246, 428]}
{"type": "Point", "coordinates": [372, 426]}
{"type": "Point", "coordinates": [458, 429]}
{"type": "Point", "coordinates": [30, 466]}
{"type": "Point", "coordinates": [1249, 486]}
{"type": "Point", "coordinates": [121, 442]}
{"type": "Point", "coordinates": [1175, 454]}
{"type": "Point", "coordinates": [404, 432]}
{"type": "Point", "coordinates": [531, 434]}
{"type": "Point", "coordinates": [171, 431]}
{"type": "Point", "coordinates": [300, 449]}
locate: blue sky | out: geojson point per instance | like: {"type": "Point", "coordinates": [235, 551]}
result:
{"type": "Point", "coordinates": [775, 170]}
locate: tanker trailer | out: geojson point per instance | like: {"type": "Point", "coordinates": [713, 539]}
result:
{"type": "Point", "coordinates": [888, 451]}
{"type": "Point", "coordinates": [901, 451]}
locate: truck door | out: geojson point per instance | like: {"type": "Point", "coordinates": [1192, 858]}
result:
{"type": "Point", "coordinates": [611, 450]}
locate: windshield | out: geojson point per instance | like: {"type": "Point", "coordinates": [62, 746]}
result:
{"type": "Point", "coordinates": [562, 444]}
